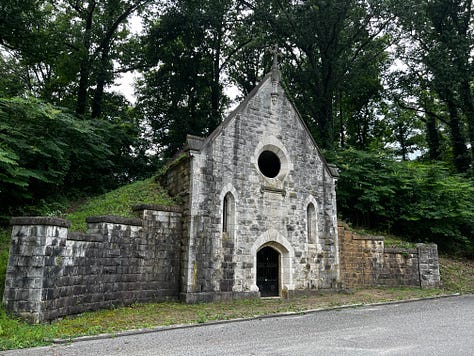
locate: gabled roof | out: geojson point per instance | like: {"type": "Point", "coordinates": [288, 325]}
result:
{"type": "Point", "coordinates": [198, 143]}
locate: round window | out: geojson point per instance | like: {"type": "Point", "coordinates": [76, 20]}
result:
{"type": "Point", "coordinates": [269, 164]}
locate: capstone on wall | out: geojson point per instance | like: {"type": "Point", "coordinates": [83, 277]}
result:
{"type": "Point", "coordinates": [53, 272]}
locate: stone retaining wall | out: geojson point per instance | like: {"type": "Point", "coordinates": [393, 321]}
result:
{"type": "Point", "coordinates": [53, 272]}
{"type": "Point", "coordinates": [364, 261]}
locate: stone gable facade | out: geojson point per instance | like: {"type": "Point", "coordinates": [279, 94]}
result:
{"type": "Point", "coordinates": [257, 182]}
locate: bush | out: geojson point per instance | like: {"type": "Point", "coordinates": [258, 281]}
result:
{"type": "Point", "coordinates": [424, 202]}
{"type": "Point", "coordinates": [48, 155]}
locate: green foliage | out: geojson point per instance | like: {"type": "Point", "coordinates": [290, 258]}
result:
{"type": "Point", "coordinates": [440, 36]}
{"type": "Point", "coordinates": [67, 52]}
{"type": "Point", "coordinates": [119, 202]}
{"type": "Point", "coordinates": [182, 90]}
{"type": "Point", "coordinates": [421, 201]}
{"type": "Point", "coordinates": [332, 59]}
{"type": "Point", "coordinates": [41, 150]}
{"type": "Point", "coordinates": [11, 81]}
{"type": "Point", "coordinates": [47, 155]}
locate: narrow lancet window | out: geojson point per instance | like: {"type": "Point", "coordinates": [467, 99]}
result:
{"type": "Point", "coordinates": [311, 224]}
{"type": "Point", "coordinates": [228, 215]}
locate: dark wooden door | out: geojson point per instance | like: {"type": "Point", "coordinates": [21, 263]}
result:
{"type": "Point", "coordinates": [268, 272]}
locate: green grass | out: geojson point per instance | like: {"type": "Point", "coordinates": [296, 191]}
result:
{"type": "Point", "coordinates": [389, 240]}
{"type": "Point", "coordinates": [119, 202]}
{"type": "Point", "coordinates": [18, 334]}
{"type": "Point", "coordinates": [395, 241]}
{"type": "Point", "coordinates": [457, 274]}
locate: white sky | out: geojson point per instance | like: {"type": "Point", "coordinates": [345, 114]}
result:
{"type": "Point", "coordinates": [124, 84]}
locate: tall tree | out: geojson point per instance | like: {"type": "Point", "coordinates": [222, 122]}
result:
{"type": "Point", "coordinates": [441, 40]}
{"type": "Point", "coordinates": [188, 50]}
{"type": "Point", "coordinates": [68, 46]}
{"type": "Point", "coordinates": [100, 28]}
{"type": "Point", "coordinates": [323, 40]}
{"type": "Point", "coordinates": [408, 90]}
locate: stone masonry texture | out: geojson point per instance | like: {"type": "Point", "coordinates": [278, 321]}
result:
{"type": "Point", "coordinates": [53, 272]}
{"type": "Point", "coordinates": [366, 262]}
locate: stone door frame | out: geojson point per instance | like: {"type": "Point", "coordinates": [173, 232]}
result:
{"type": "Point", "coordinates": [272, 238]}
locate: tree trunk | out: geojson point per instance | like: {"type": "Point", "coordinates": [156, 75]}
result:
{"type": "Point", "coordinates": [458, 142]}
{"type": "Point", "coordinates": [101, 79]}
{"type": "Point", "coordinates": [215, 86]}
{"type": "Point", "coordinates": [468, 109]}
{"type": "Point", "coordinates": [432, 138]}
{"type": "Point", "coordinates": [81, 103]}
{"type": "Point", "coordinates": [104, 49]}
{"type": "Point", "coordinates": [325, 104]}
{"type": "Point", "coordinates": [401, 139]}
{"type": "Point", "coordinates": [341, 123]}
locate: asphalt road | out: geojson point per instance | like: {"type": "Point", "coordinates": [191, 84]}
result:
{"type": "Point", "coordinates": [431, 327]}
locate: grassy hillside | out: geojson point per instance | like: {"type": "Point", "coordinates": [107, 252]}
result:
{"type": "Point", "coordinates": [457, 274]}
{"type": "Point", "coordinates": [118, 202]}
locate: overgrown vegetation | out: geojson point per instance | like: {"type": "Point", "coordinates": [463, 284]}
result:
{"type": "Point", "coordinates": [457, 274]}
{"type": "Point", "coordinates": [422, 202]}
{"type": "Point", "coordinates": [119, 202]}
{"type": "Point", "coordinates": [48, 156]}
{"type": "Point", "coordinates": [65, 135]}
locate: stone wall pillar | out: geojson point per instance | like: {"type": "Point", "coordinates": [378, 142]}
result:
{"type": "Point", "coordinates": [428, 265]}
{"type": "Point", "coordinates": [36, 246]}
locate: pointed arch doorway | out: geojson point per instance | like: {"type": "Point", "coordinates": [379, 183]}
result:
{"type": "Point", "coordinates": [268, 272]}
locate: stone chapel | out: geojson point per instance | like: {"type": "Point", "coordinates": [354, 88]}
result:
{"type": "Point", "coordinates": [256, 217]}
{"type": "Point", "coordinates": [259, 204]}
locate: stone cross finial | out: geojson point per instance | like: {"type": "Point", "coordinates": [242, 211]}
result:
{"type": "Point", "coordinates": [274, 50]}
{"type": "Point", "coordinates": [275, 73]}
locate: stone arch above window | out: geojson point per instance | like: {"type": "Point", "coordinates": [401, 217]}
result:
{"type": "Point", "coordinates": [312, 222]}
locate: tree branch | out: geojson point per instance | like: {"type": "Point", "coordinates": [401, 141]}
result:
{"type": "Point", "coordinates": [420, 110]}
